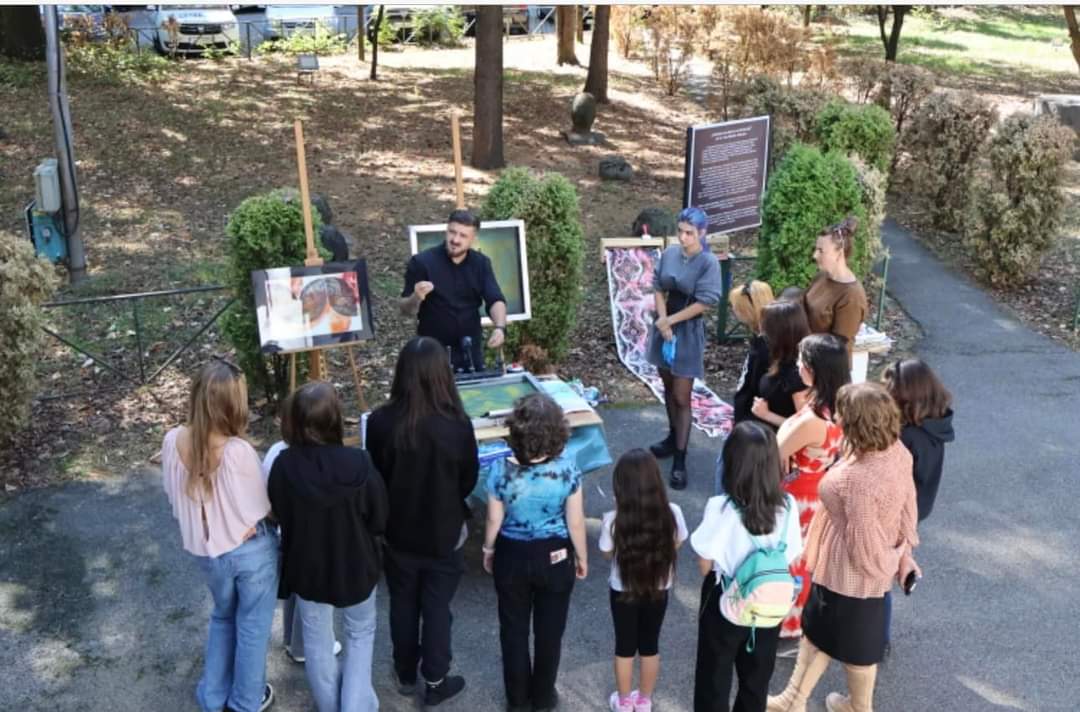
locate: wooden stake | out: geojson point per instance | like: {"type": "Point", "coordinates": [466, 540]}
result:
{"type": "Point", "coordinates": [316, 372]}
{"type": "Point", "coordinates": [455, 129]}
{"type": "Point", "coordinates": [292, 373]}
{"type": "Point", "coordinates": [356, 379]}
{"type": "Point", "coordinates": [313, 259]}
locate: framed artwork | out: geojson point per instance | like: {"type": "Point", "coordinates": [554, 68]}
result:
{"type": "Point", "coordinates": [305, 308]}
{"type": "Point", "coordinates": [503, 242]}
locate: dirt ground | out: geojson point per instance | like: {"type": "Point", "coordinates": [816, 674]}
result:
{"type": "Point", "coordinates": [161, 166]}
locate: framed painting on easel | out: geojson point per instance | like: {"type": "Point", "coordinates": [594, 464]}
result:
{"type": "Point", "coordinates": [312, 307]}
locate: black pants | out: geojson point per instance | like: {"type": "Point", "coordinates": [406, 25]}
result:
{"type": "Point", "coordinates": [421, 589]}
{"type": "Point", "coordinates": [722, 644]}
{"type": "Point", "coordinates": [637, 624]}
{"type": "Point", "coordinates": [530, 586]}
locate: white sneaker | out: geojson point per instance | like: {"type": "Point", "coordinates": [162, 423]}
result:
{"type": "Point", "coordinates": [301, 658]}
{"type": "Point", "coordinates": [641, 704]}
{"type": "Point", "coordinates": [615, 706]}
{"type": "Point", "coordinates": [268, 698]}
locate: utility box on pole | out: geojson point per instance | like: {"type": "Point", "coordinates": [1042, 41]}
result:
{"type": "Point", "coordinates": [47, 186]}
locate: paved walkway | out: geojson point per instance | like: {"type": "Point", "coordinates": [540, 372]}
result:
{"type": "Point", "coordinates": [101, 610]}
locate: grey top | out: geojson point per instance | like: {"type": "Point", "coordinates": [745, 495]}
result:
{"type": "Point", "coordinates": [697, 277]}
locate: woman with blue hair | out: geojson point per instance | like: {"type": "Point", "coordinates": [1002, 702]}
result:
{"type": "Point", "coordinates": [686, 282]}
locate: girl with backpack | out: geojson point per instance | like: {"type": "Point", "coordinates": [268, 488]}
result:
{"type": "Point", "coordinates": [640, 537]}
{"type": "Point", "coordinates": [747, 539]}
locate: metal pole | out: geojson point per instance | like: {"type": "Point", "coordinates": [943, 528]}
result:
{"type": "Point", "coordinates": [65, 153]}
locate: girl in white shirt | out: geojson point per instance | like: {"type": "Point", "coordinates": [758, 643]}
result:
{"type": "Point", "coordinates": [750, 515]}
{"type": "Point", "coordinates": [641, 535]}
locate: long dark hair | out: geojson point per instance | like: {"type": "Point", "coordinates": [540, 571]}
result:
{"type": "Point", "coordinates": [644, 529]}
{"type": "Point", "coordinates": [784, 324]}
{"type": "Point", "coordinates": [827, 358]}
{"type": "Point", "coordinates": [752, 475]}
{"type": "Point", "coordinates": [423, 386]}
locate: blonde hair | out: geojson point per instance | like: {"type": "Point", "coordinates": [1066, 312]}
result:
{"type": "Point", "coordinates": [748, 300]}
{"type": "Point", "coordinates": [870, 417]}
{"type": "Point", "coordinates": [218, 405]}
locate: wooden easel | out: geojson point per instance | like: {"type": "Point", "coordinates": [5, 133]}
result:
{"type": "Point", "coordinates": [459, 182]}
{"type": "Point", "coordinates": [317, 369]}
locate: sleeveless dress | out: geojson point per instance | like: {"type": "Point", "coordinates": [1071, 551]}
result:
{"type": "Point", "coordinates": [811, 462]}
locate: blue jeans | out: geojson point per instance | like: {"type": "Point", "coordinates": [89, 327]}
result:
{"type": "Point", "coordinates": [344, 686]}
{"type": "Point", "coordinates": [243, 584]}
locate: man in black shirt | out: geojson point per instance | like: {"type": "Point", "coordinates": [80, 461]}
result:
{"type": "Point", "coordinates": [445, 286]}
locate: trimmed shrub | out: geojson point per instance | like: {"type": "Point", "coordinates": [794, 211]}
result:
{"type": "Point", "coordinates": [555, 244]}
{"type": "Point", "coordinates": [264, 231]}
{"type": "Point", "coordinates": [865, 130]}
{"type": "Point", "coordinates": [1014, 213]}
{"type": "Point", "coordinates": [809, 191]}
{"type": "Point", "coordinates": [906, 87]}
{"type": "Point", "coordinates": [25, 282]}
{"type": "Point", "coordinates": [947, 131]}
{"type": "Point", "coordinates": [793, 111]}
{"type": "Point", "coordinates": [873, 186]}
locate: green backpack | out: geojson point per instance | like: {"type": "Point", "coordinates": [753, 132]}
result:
{"type": "Point", "coordinates": [762, 591]}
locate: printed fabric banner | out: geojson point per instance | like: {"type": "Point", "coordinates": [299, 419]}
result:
{"type": "Point", "coordinates": [630, 273]}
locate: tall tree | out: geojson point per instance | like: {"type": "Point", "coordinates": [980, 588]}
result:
{"type": "Point", "coordinates": [487, 149]}
{"type": "Point", "coordinates": [579, 22]}
{"type": "Point", "coordinates": [565, 18]}
{"type": "Point", "coordinates": [22, 35]}
{"type": "Point", "coordinates": [596, 82]}
{"type": "Point", "coordinates": [807, 11]}
{"type": "Point", "coordinates": [892, 40]}
{"type": "Point", "coordinates": [1074, 31]}
{"type": "Point", "coordinates": [375, 44]}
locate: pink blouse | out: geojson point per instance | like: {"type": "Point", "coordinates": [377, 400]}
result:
{"type": "Point", "coordinates": [238, 503]}
{"type": "Point", "coordinates": [867, 522]}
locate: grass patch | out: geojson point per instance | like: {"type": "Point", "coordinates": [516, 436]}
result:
{"type": "Point", "coordinates": [974, 40]}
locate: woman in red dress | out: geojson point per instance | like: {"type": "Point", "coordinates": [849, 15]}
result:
{"type": "Point", "coordinates": [810, 441]}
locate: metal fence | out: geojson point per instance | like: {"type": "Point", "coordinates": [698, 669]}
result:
{"type": "Point", "coordinates": [246, 35]}
{"type": "Point", "coordinates": [144, 371]}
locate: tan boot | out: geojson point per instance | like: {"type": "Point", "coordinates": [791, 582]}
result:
{"type": "Point", "coordinates": [809, 667]}
{"type": "Point", "coordinates": [860, 680]}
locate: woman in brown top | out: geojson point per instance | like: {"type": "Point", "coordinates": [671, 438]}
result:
{"type": "Point", "coordinates": [860, 541]}
{"type": "Point", "coordinates": [835, 301]}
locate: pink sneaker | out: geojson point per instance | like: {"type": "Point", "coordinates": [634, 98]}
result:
{"type": "Point", "coordinates": [641, 704]}
{"type": "Point", "coordinates": [616, 706]}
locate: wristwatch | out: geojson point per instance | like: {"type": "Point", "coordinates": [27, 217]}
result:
{"type": "Point", "coordinates": [500, 328]}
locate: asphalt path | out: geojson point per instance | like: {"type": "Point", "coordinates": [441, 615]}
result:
{"type": "Point", "coordinates": [100, 609]}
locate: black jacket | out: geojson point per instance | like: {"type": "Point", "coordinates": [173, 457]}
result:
{"type": "Point", "coordinates": [331, 504]}
{"type": "Point", "coordinates": [755, 366]}
{"type": "Point", "coordinates": [927, 445]}
{"type": "Point", "coordinates": [427, 483]}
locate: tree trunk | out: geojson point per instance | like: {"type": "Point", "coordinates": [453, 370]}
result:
{"type": "Point", "coordinates": [360, 31]}
{"type": "Point", "coordinates": [487, 149]}
{"type": "Point", "coordinates": [806, 12]}
{"type": "Point", "coordinates": [564, 28]}
{"type": "Point", "coordinates": [1074, 32]}
{"type": "Point", "coordinates": [596, 82]}
{"type": "Point", "coordinates": [579, 23]}
{"type": "Point", "coordinates": [892, 40]}
{"type": "Point", "coordinates": [22, 36]}
{"type": "Point", "coordinates": [375, 44]}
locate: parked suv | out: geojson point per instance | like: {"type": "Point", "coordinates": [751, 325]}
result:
{"type": "Point", "coordinates": [197, 28]}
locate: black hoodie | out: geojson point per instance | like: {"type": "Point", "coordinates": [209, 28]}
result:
{"type": "Point", "coordinates": [927, 445]}
{"type": "Point", "coordinates": [331, 504]}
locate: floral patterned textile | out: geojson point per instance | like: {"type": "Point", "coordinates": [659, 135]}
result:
{"type": "Point", "coordinates": [630, 276]}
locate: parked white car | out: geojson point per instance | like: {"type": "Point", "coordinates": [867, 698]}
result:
{"type": "Point", "coordinates": [192, 29]}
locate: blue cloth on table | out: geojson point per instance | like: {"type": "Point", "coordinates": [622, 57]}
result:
{"type": "Point", "coordinates": [587, 448]}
